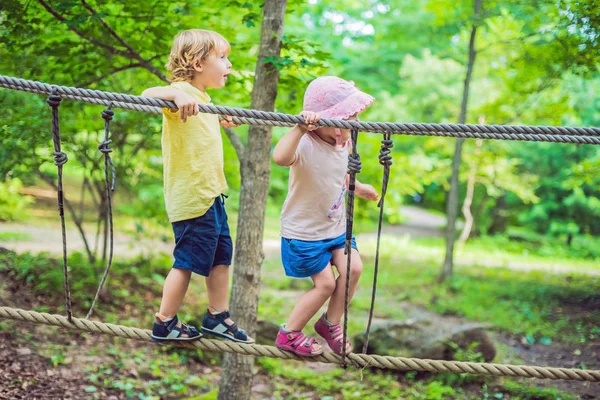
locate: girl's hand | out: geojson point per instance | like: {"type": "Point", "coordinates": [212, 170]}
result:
{"type": "Point", "coordinates": [228, 122]}
{"type": "Point", "coordinates": [311, 118]}
{"type": "Point", "coordinates": [367, 192]}
{"type": "Point", "coordinates": [187, 105]}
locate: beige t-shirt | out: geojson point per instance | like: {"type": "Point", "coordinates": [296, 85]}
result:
{"type": "Point", "coordinates": [193, 160]}
{"type": "Point", "coordinates": [314, 208]}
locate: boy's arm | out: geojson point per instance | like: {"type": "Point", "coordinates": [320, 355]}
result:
{"type": "Point", "coordinates": [284, 153]}
{"type": "Point", "coordinates": [186, 103]}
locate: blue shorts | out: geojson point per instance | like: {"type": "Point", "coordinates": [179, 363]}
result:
{"type": "Point", "coordinates": [203, 242]}
{"type": "Point", "coordinates": [302, 258]}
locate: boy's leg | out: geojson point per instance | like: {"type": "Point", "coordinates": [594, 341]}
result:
{"type": "Point", "coordinates": [167, 327]}
{"type": "Point", "coordinates": [174, 290]}
{"type": "Point", "coordinates": [311, 301]}
{"type": "Point", "coordinates": [217, 288]}
{"type": "Point", "coordinates": [335, 310]}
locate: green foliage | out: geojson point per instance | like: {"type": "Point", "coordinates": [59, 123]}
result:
{"type": "Point", "coordinates": [13, 205]}
{"type": "Point", "coordinates": [43, 275]}
{"type": "Point", "coordinates": [536, 65]}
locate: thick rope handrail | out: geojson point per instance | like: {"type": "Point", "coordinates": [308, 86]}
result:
{"type": "Point", "coordinates": [581, 135]}
{"type": "Point", "coordinates": [361, 360]}
{"type": "Point", "coordinates": [142, 108]}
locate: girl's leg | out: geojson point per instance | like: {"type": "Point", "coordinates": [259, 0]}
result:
{"type": "Point", "coordinates": [335, 310]}
{"type": "Point", "coordinates": [311, 301]}
{"type": "Point", "coordinates": [174, 290]}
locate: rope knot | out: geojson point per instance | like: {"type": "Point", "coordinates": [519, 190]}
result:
{"type": "Point", "coordinates": [354, 163]}
{"type": "Point", "coordinates": [385, 157]}
{"type": "Point", "coordinates": [54, 99]}
{"type": "Point", "coordinates": [103, 147]}
{"type": "Point", "coordinates": [60, 158]}
{"type": "Point", "coordinates": [108, 114]}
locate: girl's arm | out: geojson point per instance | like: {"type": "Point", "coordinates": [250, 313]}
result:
{"type": "Point", "coordinates": [365, 191]}
{"type": "Point", "coordinates": [284, 153]}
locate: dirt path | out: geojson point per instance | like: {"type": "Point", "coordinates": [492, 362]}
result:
{"type": "Point", "coordinates": [420, 224]}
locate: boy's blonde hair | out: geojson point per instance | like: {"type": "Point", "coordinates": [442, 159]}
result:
{"type": "Point", "coordinates": [190, 47]}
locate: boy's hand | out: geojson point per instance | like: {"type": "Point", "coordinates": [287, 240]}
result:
{"type": "Point", "coordinates": [228, 122]}
{"type": "Point", "coordinates": [367, 192]}
{"type": "Point", "coordinates": [187, 105]}
{"type": "Point", "coordinates": [311, 118]}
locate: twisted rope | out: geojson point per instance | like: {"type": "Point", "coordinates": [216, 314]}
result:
{"type": "Point", "coordinates": [555, 134]}
{"type": "Point", "coordinates": [107, 115]}
{"type": "Point", "coordinates": [60, 159]}
{"type": "Point", "coordinates": [141, 107]}
{"type": "Point", "coordinates": [361, 360]}
{"type": "Point", "coordinates": [354, 167]}
{"type": "Point", "coordinates": [385, 159]}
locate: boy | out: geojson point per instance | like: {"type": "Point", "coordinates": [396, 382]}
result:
{"type": "Point", "coordinates": [194, 181]}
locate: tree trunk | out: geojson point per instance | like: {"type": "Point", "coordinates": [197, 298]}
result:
{"type": "Point", "coordinates": [499, 216]}
{"type": "Point", "coordinates": [477, 216]}
{"type": "Point", "coordinates": [466, 208]}
{"type": "Point", "coordinates": [452, 200]}
{"type": "Point", "coordinates": [236, 382]}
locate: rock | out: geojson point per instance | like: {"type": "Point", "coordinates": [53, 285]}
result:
{"type": "Point", "coordinates": [266, 332]}
{"type": "Point", "coordinates": [426, 339]}
{"type": "Point", "coordinates": [23, 351]}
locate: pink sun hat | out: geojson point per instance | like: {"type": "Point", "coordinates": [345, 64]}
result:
{"type": "Point", "coordinates": [335, 98]}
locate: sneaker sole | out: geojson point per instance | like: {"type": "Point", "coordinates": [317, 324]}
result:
{"type": "Point", "coordinates": [158, 339]}
{"type": "Point", "coordinates": [226, 337]}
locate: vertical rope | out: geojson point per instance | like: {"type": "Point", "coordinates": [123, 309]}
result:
{"type": "Point", "coordinates": [60, 158]}
{"type": "Point", "coordinates": [354, 167]}
{"type": "Point", "coordinates": [385, 159]}
{"type": "Point", "coordinates": [107, 114]}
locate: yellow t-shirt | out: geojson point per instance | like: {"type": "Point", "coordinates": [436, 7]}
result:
{"type": "Point", "coordinates": [192, 160]}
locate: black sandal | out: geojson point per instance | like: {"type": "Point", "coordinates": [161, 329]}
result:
{"type": "Point", "coordinates": [214, 324]}
{"type": "Point", "coordinates": [169, 331]}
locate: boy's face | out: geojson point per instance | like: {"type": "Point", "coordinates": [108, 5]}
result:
{"type": "Point", "coordinates": [214, 70]}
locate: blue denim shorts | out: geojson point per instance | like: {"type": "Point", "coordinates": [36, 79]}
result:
{"type": "Point", "coordinates": [302, 258]}
{"type": "Point", "coordinates": [203, 242]}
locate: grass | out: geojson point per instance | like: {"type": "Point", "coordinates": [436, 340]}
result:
{"type": "Point", "coordinates": [493, 251]}
{"type": "Point", "coordinates": [14, 236]}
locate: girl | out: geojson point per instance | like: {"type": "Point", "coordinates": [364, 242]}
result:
{"type": "Point", "coordinates": [313, 215]}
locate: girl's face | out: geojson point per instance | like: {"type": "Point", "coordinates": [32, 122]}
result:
{"type": "Point", "coordinates": [336, 135]}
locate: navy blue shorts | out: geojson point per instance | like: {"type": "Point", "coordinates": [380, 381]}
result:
{"type": "Point", "coordinates": [203, 242]}
{"type": "Point", "coordinates": [303, 258]}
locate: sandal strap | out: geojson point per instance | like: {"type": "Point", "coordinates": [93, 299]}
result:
{"type": "Point", "coordinates": [300, 339]}
{"type": "Point", "coordinates": [231, 328]}
{"type": "Point", "coordinates": [172, 324]}
{"type": "Point", "coordinates": [336, 331]}
{"type": "Point", "coordinates": [297, 338]}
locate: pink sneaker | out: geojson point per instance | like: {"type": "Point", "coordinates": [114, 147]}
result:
{"type": "Point", "coordinates": [333, 334]}
{"type": "Point", "coordinates": [298, 343]}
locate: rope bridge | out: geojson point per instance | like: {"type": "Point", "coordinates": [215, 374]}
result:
{"type": "Point", "coordinates": [359, 360]}
{"type": "Point", "coordinates": [118, 100]}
